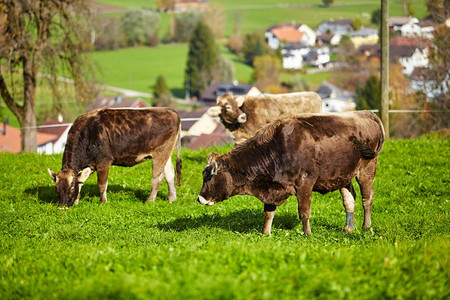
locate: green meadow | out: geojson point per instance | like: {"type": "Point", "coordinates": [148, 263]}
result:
{"type": "Point", "coordinates": [126, 249]}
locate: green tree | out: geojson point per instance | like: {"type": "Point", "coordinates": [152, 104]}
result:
{"type": "Point", "coordinates": [369, 95]}
{"type": "Point", "coordinates": [327, 3]}
{"type": "Point", "coordinates": [185, 24]}
{"type": "Point", "coordinates": [160, 88]}
{"type": "Point", "coordinates": [254, 45]}
{"type": "Point", "coordinates": [139, 25]}
{"type": "Point", "coordinates": [266, 74]}
{"type": "Point", "coordinates": [41, 37]}
{"type": "Point", "coordinates": [202, 57]}
{"type": "Point", "coordinates": [376, 17]}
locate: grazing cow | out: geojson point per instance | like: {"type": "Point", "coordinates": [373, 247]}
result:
{"type": "Point", "coordinates": [299, 155]}
{"type": "Point", "coordinates": [122, 137]}
{"type": "Point", "coordinates": [244, 115]}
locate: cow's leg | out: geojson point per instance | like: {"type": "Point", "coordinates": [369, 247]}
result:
{"type": "Point", "coordinates": [365, 181]}
{"type": "Point", "coordinates": [157, 177]}
{"type": "Point", "coordinates": [348, 199]}
{"type": "Point", "coordinates": [102, 181]}
{"type": "Point", "coordinates": [269, 213]}
{"type": "Point", "coordinates": [80, 185]}
{"type": "Point", "coordinates": [304, 206]}
{"type": "Point", "coordinates": [169, 174]}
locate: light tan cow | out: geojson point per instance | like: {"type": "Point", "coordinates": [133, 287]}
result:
{"type": "Point", "coordinates": [244, 115]}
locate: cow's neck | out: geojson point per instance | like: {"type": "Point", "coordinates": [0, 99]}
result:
{"type": "Point", "coordinates": [75, 154]}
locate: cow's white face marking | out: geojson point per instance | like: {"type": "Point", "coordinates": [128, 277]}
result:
{"type": "Point", "coordinates": [204, 201]}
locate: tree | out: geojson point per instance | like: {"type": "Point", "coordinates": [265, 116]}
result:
{"type": "Point", "coordinates": [376, 17]}
{"type": "Point", "coordinates": [202, 57]}
{"type": "Point", "coordinates": [438, 9]}
{"type": "Point", "coordinates": [368, 96]}
{"type": "Point", "coordinates": [109, 34]}
{"type": "Point", "coordinates": [185, 24]}
{"type": "Point", "coordinates": [139, 25]}
{"type": "Point", "coordinates": [223, 71]}
{"type": "Point", "coordinates": [160, 88]}
{"type": "Point", "coordinates": [327, 3]}
{"type": "Point", "coordinates": [165, 5]}
{"type": "Point", "coordinates": [215, 18]}
{"type": "Point", "coordinates": [266, 74]}
{"type": "Point", "coordinates": [254, 45]}
{"type": "Point", "coordinates": [43, 36]}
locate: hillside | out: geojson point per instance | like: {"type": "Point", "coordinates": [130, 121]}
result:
{"type": "Point", "coordinates": [125, 249]}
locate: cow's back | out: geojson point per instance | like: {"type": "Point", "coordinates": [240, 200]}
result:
{"type": "Point", "coordinates": [264, 109]}
{"type": "Point", "coordinates": [117, 133]}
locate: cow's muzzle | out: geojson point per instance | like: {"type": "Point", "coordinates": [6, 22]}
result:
{"type": "Point", "coordinates": [203, 201]}
{"type": "Point", "coordinates": [242, 118]}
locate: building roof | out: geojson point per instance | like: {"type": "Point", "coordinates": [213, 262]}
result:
{"type": "Point", "coordinates": [364, 32]}
{"type": "Point", "coordinates": [218, 137]}
{"type": "Point", "coordinates": [53, 127]}
{"type": "Point", "coordinates": [117, 102]}
{"type": "Point", "coordinates": [328, 90]}
{"type": "Point", "coordinates": [11, 140]}
{"type": "Point", "coordinates": [398, 21]}
{"type": "Point", "coordinates": [347, 22]}
{"type": "Point", "coordinates": [288, 34]}
{"type": "Point", "coordinates": [211, 93]}
{"type": "Point", "coordinates": [194, 114]}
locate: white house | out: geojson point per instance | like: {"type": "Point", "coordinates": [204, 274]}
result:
{"type": "Point", "coordinates": [335, 26]}
{"type": "Point", "coordinates": [335, 99]}
{"type": "Point", "coordinates": [409, 57]}
{"type": "Point", "coordinates": [59, 130]}
{"type": "Point", "coordinates": [281, 34]}
{"type": "Point", "coordinates": [416, 28]}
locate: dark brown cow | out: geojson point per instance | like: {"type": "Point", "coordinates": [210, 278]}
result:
{"type": "Point", "coordinates": [299, 155]}
{"type": "Point", "coordinates": [122, 137]}
{"type": "Point", "coordinates": [244, 115]}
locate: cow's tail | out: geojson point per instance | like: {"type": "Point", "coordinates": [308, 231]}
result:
{"type": "Point", "coordinates": [178, 164]}
{"type": "Point", "coordinates": [366, 151]}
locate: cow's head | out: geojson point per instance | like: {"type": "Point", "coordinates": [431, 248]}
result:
{"type": "Point", "coordinates": [68, 185]}
{"type": "Point", "coordinates": [228, 109]}
{"type": "Point", "coordinates": [217, 183]}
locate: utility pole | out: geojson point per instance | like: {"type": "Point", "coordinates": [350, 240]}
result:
{"type": "Point", "coordinates": [384, 111]}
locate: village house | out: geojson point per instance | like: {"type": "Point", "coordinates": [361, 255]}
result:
{"type": "Point", "coordinates": [286, 33]}
{"type": "Point", "coordinates": [10, 140]}
{"type": "Point", "coordinates": [295, 56]}
{"type": "Point", "coordinates": [329, 39]}
{"type": "Point", "coordinates": [343, 27]}
{"type": "Point", "coordinates": [335, 99]}
{"type": "Point", "coordinates": [415, 28]}
{"type": "Point", "coordinates": [210, 94]}
{"type": "Point", "coordinates": [199, 130]}
{"type": "Point", "coordinates": [364, 36]}
{"type": "Point", "coordinates": [59, 129]}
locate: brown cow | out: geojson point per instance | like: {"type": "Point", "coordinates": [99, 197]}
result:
{"type": "Point", "coordinates": [244, 115]}
{"type": "Point", "coordinates": [299, 155]}
{"type": "Point", "coordinates": [122, 137]}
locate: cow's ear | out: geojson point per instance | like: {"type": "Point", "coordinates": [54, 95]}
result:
{"type": "Point", "coordinates": [240, 100]}
{"type": "Point", "coordinates": [84, 174]}
{"type": "Point", "coordinates": [52, 175]}
{"type": "Point", "coordinates": [214, 111]}
{"type": "Point", "coordinates": [213, 163]}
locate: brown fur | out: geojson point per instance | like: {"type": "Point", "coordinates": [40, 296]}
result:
{"type": "Point", "coordinates": [264, 109]}
{"type": "Point", "coordinates": [123, 137]}
{"type": "Point", "coordinates": [298, 155]}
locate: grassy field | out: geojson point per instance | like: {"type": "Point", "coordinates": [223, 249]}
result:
{"type": "Point", "coordinates": [128, 250]}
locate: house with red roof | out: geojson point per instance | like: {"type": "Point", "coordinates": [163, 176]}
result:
{"type": "Point", "coordinates": [10, 140]}
{"type": "Point", "coordinates": [287, 33]}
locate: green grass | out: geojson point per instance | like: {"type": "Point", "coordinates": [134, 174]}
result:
{"type": "Point", "coordinates": [138, 68]}
{"type": "Point", "coordinates": [128, 250]}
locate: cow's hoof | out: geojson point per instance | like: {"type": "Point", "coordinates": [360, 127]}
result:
{"type": "Point", "coordinates": [348, 229]}
{"type": "Point", "coordinates": [172, 200]}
